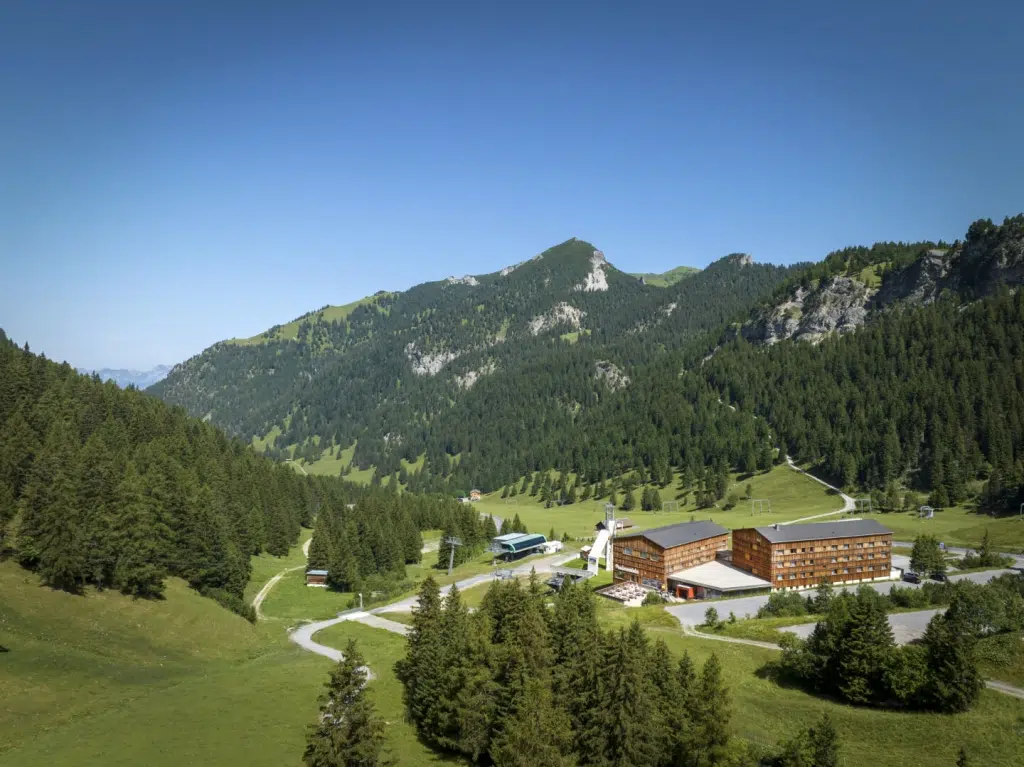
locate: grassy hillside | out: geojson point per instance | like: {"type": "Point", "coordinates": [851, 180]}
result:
{"type": "Point", "coordinates": [103, 679]}
{"type": "Point", "coordinates": [290, 330]}
{"type": "Point", "coordinates": [663, 280]}
{"type": "Point", "coordinates": [792, 495]}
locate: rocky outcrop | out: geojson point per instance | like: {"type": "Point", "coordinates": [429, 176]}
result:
{"type": "Point", "coordinates": [611, 374]}
{"type": "Point", "coordinates": [467, 380]}
{"type": "Point", "coordinates": [426, 363]}
{"type": "Point", "coordinates": [467, 280]}
{"type": "Point", "coordinates": [597, 279]}
{"type": "Point", "coordinates": [839, 304]}
{"type": "Point", "coordinates": [559, 314]}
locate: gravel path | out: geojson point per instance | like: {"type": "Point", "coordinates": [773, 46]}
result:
{"type": "Point", "coordinates": [257, 601]}
{"type": "Point", "coordinates": [849, 505]}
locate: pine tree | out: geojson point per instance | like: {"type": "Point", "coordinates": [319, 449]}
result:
{"type": "Point", "coordinates": [348, 732]}
{"type": "Point", "coordinates": [420, 670]}
{"type": "Point", "coordinates": [320, 550]}
{"type": "Point", "coordinates": [866, 648]}
{"type": "Point", "coordinates": [824, 742]}
{"type": "Point", "coordinates": [629, 501]}
{"type": "Point", "coordinates": [954, 682]}
{"type": "Point", "coordinates": [633, 725]}
{"type": "Point", "coordinates": [711, 713]}
{"type": "Point", "coordinates": [537, 732]}
{"type": "Point", "coordinates": [138, 570]}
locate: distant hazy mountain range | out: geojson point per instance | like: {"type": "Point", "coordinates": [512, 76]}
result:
{"type": "Point", "coordinates": [139, 378]}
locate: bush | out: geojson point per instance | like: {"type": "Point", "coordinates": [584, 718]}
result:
{"type": "Point", "coordinates": [233, 603]}
{"type": "Point", "coordinates": [783, 604]}
{"type": "Point", "coordinates": [653, 598]}
{"type": "Point", "coordinates": [711, 618]}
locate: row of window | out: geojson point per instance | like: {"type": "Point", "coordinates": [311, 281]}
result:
{"type": "Point", "coordinates": [844, 571]}
{"type": "Point", "coordinates": [642, 554]}
{"type": "Point", "coordinates": [794, 563]}
{"type": "Point", "coordinates": [833, 547]}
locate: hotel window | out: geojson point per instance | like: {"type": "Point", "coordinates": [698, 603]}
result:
{"type": "Point", "coordinates": [628, 551]}
{"type": "Point", "coordinates": [833, 560]}
{"type": "Point", "coordinates": [871, 567]}
{"type": "Point", "coordinates": [860, 569]}
{"type": "Point", "coordinates": [778, 577]}
{"type": "Point", "coordinates": [792, 576]}
{"type": "Point", "coordinates": [643, 555]}
{"type": "Point", "coordinates": [846, 545]}
{"type": "Point", "coordinates": [655, 558]}
{"type": "Point", "coordinates": [834, 547]}
{"type": "Point", "coordinates": [833, 572]}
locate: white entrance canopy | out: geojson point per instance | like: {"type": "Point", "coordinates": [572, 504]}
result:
{"type": "Point", "coordinates": [720, 577]}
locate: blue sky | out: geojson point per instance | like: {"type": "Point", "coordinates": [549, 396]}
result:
{"type": "Point", "coordinates": [178, 175]}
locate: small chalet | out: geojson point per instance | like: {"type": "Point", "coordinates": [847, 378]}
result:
{"type": "Point", "coordinates": [474, 495]}
{"type": "Point", "coordinates": [316, 578]}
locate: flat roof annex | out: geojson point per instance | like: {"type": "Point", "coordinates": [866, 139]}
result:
{"type": "Point", "coordinates": [670, 536]}
{"type": "Point", "coordinates": [819, 531]}
{"type": "Point", "coordinates": [719, 576]}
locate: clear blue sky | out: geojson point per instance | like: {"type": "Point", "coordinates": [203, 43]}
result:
{"type": "Point", "coordinates": [171, 177]}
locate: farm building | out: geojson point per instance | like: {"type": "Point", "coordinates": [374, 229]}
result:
{"type": "Point", "coordinates": [316, 577]}
{"type": "Point", "coordinates": [474, 495]}
{"type": "Point", "coordinates": [513, 545]}
{"type": "Point", "coordinates": [649, 557]}
{"type": "Point", "coordinates": [793, 556]}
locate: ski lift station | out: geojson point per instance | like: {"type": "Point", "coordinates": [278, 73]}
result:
{"type": "Point", "coordinates": [515, 545]}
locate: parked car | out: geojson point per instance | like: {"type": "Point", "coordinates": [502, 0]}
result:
{"type": "Point", "coordinates": [941, 577]}
{"type": "Point", "coordinates": [911, 577]}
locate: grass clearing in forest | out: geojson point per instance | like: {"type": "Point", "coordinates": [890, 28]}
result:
{"type": "Point", "coordinates": [792, 495]}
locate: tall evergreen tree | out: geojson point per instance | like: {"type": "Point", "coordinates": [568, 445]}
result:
{"type": "Point", "coordinates": [349, 733]}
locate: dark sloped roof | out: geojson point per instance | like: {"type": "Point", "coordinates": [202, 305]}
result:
{"type": "Point", "coordinates": [818, 531]}
{"type": "Point", "coordinates": [678, 534]}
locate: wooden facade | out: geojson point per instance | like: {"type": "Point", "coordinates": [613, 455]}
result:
{"type": "Point", "coordinates": [642, 561]}
{"type": "Point", "coordinates": [797, 564]}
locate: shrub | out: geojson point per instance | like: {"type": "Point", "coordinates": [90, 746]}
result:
{"type": "Point", "coordinates": [783, 604]}
{"type": "Point", "coordinates": [233, 603]}
{"type": "Point", "coordinates": [711, 618]}
{"type": "Point", "coordinates": [653, 598]}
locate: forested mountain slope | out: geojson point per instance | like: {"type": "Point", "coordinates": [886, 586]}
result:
{"type": "Point", "coordinates": [501, 369]}
{"type": "Point", "coordinates": [565, 362]}
{"type": "Point", "coordinates": [112, 488]}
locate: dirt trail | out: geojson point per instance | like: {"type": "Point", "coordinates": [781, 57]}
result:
{"type": "Point", "coordinates": [849, 505]}
{"type": "Point", "coordinates": [257, 601]}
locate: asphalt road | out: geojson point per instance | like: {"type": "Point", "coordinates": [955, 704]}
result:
{"type": "Point", "coordinates": [543, 565]}
{"type": "Point", "coordinates": [906, 627]}
{"type": "Point", "coordinates": [693, 613]}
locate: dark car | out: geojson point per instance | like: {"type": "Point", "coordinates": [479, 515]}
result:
{"type": "Point", "coordinates": [937, 576]}
{"type": "Point", "coordinates": [911, 577]}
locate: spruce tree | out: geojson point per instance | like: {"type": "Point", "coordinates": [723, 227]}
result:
{"type": "Point", "coordinates": [866, 648]}
{"type": "Point", "coordinates": [536, 733]}
{"type": "Point", "coordinates": [137, 539]}
{"type": "Point", "coordinates": [421, 669]}
{"type": "Point", "coordinates": [711, 713]}
{"type": "Point", "coordinates": [349, 732]}
{"type": "Point", "coordinates": [320, 549]}
{"type": "Point", "coordinates": [953, 683]}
